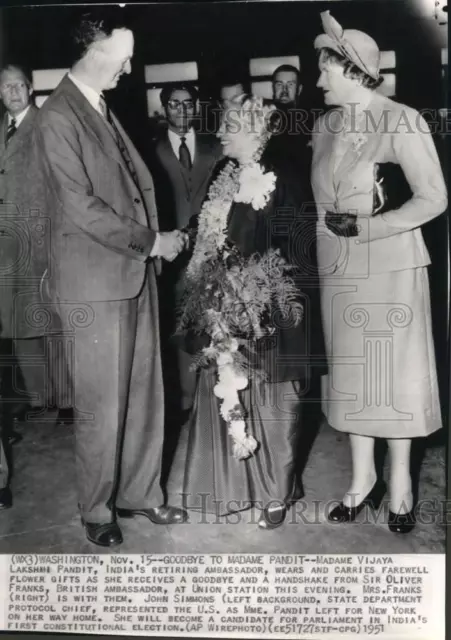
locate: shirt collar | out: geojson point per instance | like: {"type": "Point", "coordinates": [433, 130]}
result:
{"type": "Point", "coordinates": [175, 137]}
{"type": "Point", "coordinates": [91, 95]}
{"type": "Point", "coordinates": [18, 118]}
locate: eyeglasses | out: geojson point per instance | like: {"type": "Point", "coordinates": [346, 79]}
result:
{"type": "Point", "coordinates": [176, 104]}
{"type": "Point", "coordinates": [17, 86]}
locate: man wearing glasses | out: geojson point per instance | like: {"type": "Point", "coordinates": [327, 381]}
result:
{"type": "Point", "coordinates": [183, 159]}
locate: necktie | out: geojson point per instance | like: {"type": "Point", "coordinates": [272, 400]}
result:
{"type": "Point", "coordinates": [184, 154]}
{"type": "Point", "coordinates": [11, 130]}
{"type": "Point", "coordinates": [119, 139]}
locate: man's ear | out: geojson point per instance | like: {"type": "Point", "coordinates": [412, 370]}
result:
{"type": "Point", "coordinates": [300, 89]}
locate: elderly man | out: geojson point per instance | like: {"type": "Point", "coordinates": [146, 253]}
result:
{"type": "Point", "coordinates": [105, 255]}
{"type": "Point", "coordinates": [23, 250]}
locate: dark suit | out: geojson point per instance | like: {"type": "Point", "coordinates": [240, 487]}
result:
{"type": "Point", "coordinates": [24, 240]}
{"type": "Point", "coordinates": [104, 291]}
{"type": "Point", "coordinates": [180, 194]}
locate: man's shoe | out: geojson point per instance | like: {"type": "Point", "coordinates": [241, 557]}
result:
{"type": "Point", "coordinates": [6, 499]}
{"type": "Point", "coordinates": [157, 515]}
{"type": "Point", "coordinates": [105, 535]}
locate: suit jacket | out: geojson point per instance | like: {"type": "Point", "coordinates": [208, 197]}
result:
{"type": "Point", "coordinates": [103, 223]}
{"type": "Point", "coordinates": [180, 193]}
{"type": "Point", "coordinates": [24, 231]}
{"type": "Point", "coordinates": [389, 241]}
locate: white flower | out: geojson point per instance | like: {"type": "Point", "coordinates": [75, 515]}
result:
{"type": "Point", "coordinates": [255, 186]}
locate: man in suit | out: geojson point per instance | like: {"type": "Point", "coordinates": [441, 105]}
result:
{"type": "Point", "coordinates": [183, 161]}
{"type": "Point", "coordinates": [105, 249]}
{"type": "Point", "coordinates": [289, 145]}
{"type": "Point", "coordinates": [23, 252]}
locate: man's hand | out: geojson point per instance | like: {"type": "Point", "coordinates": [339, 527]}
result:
{"type": "Point", "coordinates": [170, 244]}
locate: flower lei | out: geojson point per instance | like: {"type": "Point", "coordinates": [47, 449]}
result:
{"type": "Point", "coordinates": [229, 300]}
{"type": "Point", "coordinates": [248, 184]}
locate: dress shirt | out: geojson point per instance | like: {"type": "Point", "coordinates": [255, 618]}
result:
{"type": "Point", "coordinates": [18, 118]}
{"type": "Point", "coordinates": [93, 97]}
{"type": "Point", "coordinates": [176, 140]}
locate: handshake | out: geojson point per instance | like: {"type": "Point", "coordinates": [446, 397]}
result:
{"type": "Point", "coordinates": [169, 244]}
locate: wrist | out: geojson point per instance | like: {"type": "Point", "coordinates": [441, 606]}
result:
{"type": "Point", "coordinates": [155, 252]}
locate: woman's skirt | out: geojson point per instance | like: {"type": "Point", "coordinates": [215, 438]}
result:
{"type": "Point", "coordinates": [382, 377]}
{"type": "Point", "coordinates": [214, 481]}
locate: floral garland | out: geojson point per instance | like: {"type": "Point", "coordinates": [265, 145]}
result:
{"type": "Point", "coordinates": [227, 296]}
{"type": "Point", "coordinates": [248, 184]}
{"type": "Point", "coordinates": [213, 218]}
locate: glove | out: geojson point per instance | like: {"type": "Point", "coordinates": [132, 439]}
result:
{"type": "Point", "coordinates": [342, 224]}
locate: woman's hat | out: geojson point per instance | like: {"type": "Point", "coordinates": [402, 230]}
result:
{"type": "Point", "coordinates": [356, 46]}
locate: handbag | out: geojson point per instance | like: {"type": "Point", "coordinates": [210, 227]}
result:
{"type": "Point", "coordinates": [391, 189]}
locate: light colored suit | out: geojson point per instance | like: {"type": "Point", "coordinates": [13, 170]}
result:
{"type": "Point", "coordinates": [374, 288]}
{"type": "Point", "coordinates": [400, 136]}
{"type": "Point", "coordinates": [104, 291]}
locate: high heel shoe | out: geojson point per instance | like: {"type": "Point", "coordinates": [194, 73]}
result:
{"type": "Point", "coordinates": [401, 522]}
{"type": "Point", "coordinates": [271, 519]}
{"type": "Point", "coordinates": [373, 499]}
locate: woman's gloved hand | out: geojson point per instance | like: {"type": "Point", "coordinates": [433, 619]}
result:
{"type": "Point", "coordinates": [342, 224]}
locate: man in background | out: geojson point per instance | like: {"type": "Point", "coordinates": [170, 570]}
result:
{"type": "Point", "coordinates": [290, 145]}
{"type": "Point", "coordinates": [23, 257]}
{"type": "Point", "coordinates": [183, 162]}
{"type": "Point", "coordinates": [286, 86]}
{"type": "Point", "coordinates": [105, 256]}
{"type": "Point", "coordinates": [228, 92]}
{"type": "Point", "coordinates": [290, 141]}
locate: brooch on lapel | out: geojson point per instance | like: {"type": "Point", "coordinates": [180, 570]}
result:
{"type": "Point", "coordinates": [359, 142]}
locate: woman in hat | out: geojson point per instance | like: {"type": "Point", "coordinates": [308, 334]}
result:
{"type": "Point", "coordinates": [373, 261]}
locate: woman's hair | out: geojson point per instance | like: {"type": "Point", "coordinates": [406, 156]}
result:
{"type": "Point", "coordinates": [350, 70]}
{"type": "Point", "coordinates": [271, 112]}
{"type": "Point", "coordinates": [254, 117]}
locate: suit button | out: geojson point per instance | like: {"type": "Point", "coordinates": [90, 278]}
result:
{"type": "Point", "coordinates": [2, 171]}
{"type": "Point", "coordinates": [137, 200]}
{"type": "Point", "coordinates": [1, 200]}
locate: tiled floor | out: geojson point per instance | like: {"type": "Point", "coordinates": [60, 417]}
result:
{"type": "Point", "coordinates": [44, 517]}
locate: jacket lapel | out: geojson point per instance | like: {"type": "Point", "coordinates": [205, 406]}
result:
{"type": "Point", "coordinates": [204, 158]}
{"type": "Point", "coordinates": [21, 134]}
{"type": "Point", "coordinates": [3, 129]}
{"type": "Point", "coordinates": [99, 127]}
{"type": "Point", "coordinates": [170, 160]}
{"type": "Point", "coordinates": [358, 143]}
